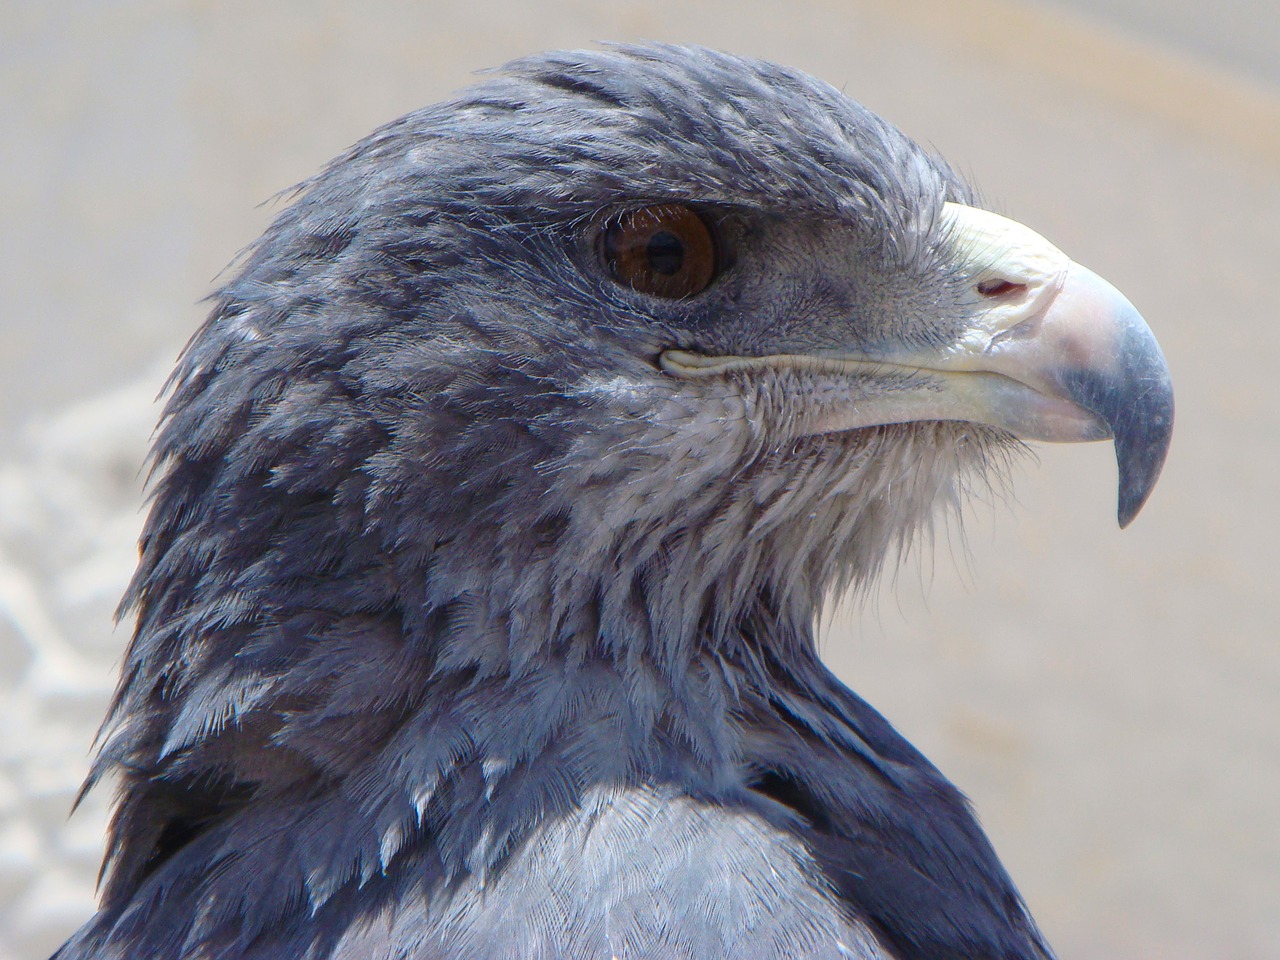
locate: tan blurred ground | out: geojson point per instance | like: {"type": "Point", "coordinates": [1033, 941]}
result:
{"type": "Point", "coordinates": [1111, 701]}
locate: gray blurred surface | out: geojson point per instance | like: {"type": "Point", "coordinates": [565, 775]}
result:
{"type": "Point", "coordinates": [1110, 701]}
{"type": "Point", "coordinates": [1241, 35]}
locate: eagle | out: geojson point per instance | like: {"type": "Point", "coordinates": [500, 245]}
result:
{"type": "Point", "coordinates": [495, 503]}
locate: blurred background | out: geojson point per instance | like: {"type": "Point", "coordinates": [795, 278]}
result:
{"type": "Point", "coordinates": [1110, 701]}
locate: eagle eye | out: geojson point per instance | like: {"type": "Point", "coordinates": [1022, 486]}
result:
{"type": "Point", "coordinates": [666, 250]}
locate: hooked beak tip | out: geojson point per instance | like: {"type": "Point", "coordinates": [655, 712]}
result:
{"type": "Point", "coordinates": [1126, 384]}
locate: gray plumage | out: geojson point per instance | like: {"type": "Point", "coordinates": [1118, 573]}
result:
{"type": "Point", "coordinates": [465, 631]}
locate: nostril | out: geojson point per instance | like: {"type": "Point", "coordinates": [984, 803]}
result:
{"type": "Point", "coordinates": [999, 287]}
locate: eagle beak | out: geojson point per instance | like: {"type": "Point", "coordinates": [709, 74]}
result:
{"type": "Point", "coordinates": [1048, 324]}
{"type": "Point", "coordinates": [1051, 351]}
{"type": "Point", "coordinates": [1091, 348]}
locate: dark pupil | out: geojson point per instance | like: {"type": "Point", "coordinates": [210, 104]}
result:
{"type": "Point", "coordinates": [666, 253]}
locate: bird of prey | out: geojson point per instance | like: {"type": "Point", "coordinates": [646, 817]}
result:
{"type": "Point", "coordinates": [496, 499]}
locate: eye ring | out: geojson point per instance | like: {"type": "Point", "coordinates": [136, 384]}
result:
{"type": "Point", "coordinates": [666, 250]}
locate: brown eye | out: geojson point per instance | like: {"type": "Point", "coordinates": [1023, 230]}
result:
{"type": "Point", "coordinates": [665, 250]}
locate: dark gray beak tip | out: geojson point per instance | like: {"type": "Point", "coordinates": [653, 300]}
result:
{"type": "Point", "coordinates": [1126, 383]}
{"type": "Point", "coordinates": [1131, 392]}
{"type": "Point", "coordinates": [1140, 456]}
{"type": "Point", "coordinates": [1143, 432]}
